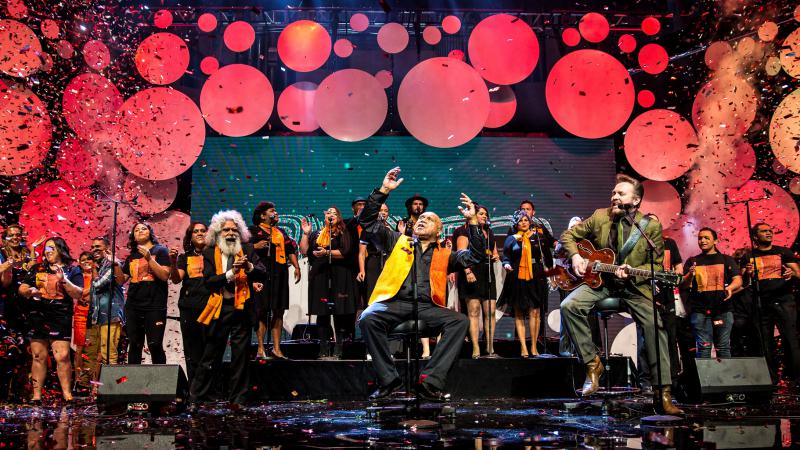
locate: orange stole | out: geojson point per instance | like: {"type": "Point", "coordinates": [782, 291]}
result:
{"type": "Point", "coordinates": [277, 242]}
{"type": "Point", "coordinates": [399, 264]}
{"type": "Point", "coordinates": [240, 296]}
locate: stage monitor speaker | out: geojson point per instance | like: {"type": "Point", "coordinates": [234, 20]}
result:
{"type": "Point", "coordinates": [142, 383]}
{"type": "Point", "coordinates": [303, 331]}
{"type": "Point", "coordinates": [737, 379]}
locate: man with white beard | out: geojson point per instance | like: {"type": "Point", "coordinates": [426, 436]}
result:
{"type": "Point", "coordinates": [230, 268]}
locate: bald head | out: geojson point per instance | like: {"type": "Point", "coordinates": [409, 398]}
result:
{"type": "Point", "coordinates": [428, 227]}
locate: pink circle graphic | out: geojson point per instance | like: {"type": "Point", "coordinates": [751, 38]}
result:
{"type": "Point", "coordinates": [768, 31]}
{"type": "Point", "coordinates": [304, 45]}
{"type": "Point", "coordinates": [727, 104]}
{"type": "Point", "coordinates": [20, 49]}
{"type": "Point", "coordinates": [502, 106]}
{"type": "Point", "coordinates": [17, 9]}
{"type": "Point", "coordinates": [571, 37]}
{"type": "Point", "coordinates": [653, 59]}
{"type": "Point", "coordinates": [350, 105]}
{"type": "Point", "coordinates": [149, 197]}
{"type": "Point", "coordinates": [170, 227]}
{"type": "Point", "coordinates": [651, 26]}
{"type": "Point", "coordinates": [237, 100]}
{"type": "Point", "coordinates": [788, 54]}
{"type": "Point", "coordinates": [91, 105]}
{"type": "Point", "coordinates": [780, 211]}
{"type": "Point", "coordinates": [96, 55]}
{"type": "Point", "coordinates": [239, 36]}
{"type": "Point", "coordinates": [431, 35]}
{"type": "Point", "coordinates": [207, 22]}
{"type": "Point", "coordinates": [296, 106]}
{"type": "Point", "coordinates": [451, 24]}
{"type": "Point", "coordinates": [343, 48]}
{"type": "Point", "coordinates": [660, 145]}
{"type": "Point", "coordinates": [443, 102]}
{"type": "Point", "coordinates": [161, 133]}
{"type": "Point", "coordinates": [64, 49]}
{"type": "Point", "coordinates": [385, 78]}
{"type": "Point", "coordinates": [645, 98]}
{"type": "Point", "coordinates": [627, 43]}
{"type": "Point", "coordinates": [719, 55]}
{"type": "Point", "coordinates": [75, 164]}
{"type": "Point", "coordinates": [783, 131]}
{"type": "Point", "coordinates": [590, 93]}
{"type": "Point", "coordinates": [503, 49]}
{"type": "Point", "coordinates": [662, 200]}
{"type": "Point", "coordinates": [162, 58]}
{"type": "Point", "coordinates": [209, 65]}
{"type": "Point", "coordinates": [359, 22]}
{"type": "Point", "coordinates": [25, 130]}
{"type": "Point", "coordinates": [593, 27]}
{"type": "Point", "coordinates": [393, 38]}
{"type": "Point", "coordinates": [456, 54]}
{"type": "Point", "coordinates": [50, 29]}
{"type": "Point", "coordinates": [162, 19]}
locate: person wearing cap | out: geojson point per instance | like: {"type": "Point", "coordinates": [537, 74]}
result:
{"type": "Point", "coordinates": [415, 206]}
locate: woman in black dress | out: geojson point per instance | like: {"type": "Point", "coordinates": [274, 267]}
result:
{"type": "Point", "coordinates": [370, 258]}
{"type": "Point", "coordinates": [147, 269]}
{"type": "Point", "coordinates": [187, 269]}
{"type": "Point", "coordinates": [476, 285]}
{"type": "Point", "coordinates": [332, 288]}
{"type": "Point", "coordinates": [51, 288]}
{"type": "Point", "coordinates": [277, 251]}
{"type": "Point", "coordinates": [523, 292]}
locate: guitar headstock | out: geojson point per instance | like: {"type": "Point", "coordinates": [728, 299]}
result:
{"type": "Point", "coordinates": [671, 277]}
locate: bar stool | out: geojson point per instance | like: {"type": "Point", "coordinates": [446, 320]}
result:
{"type": "Point", "coordinates": [404, 331]}
{"type": "Point", "coordinates": [604, 309]}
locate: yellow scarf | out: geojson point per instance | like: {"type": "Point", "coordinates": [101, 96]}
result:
{"type": "Point", "coordinates": [240, 296]}
{"type": "Point", "coordinates": [526, 261]}
{"type": "Point", "coordinates": [277, 242]}
{"type": "Point", "coordinates": [399, 264]}
{"type": "Point", "coordinates": [324, 238]}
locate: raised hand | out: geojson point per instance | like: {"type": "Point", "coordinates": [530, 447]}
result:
{"type": "Point", "coordinates": [468, 209]}
{"type": "Point", "coordinates": [401, 226]}
{"type": "Point", "coordinates": [173, 255]}
{"type": "Point", "coordinates": [305, 225]}
{"type": "Point", "coordinates": [391, 180]}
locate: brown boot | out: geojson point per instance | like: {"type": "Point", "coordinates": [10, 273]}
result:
{"type": "Point", "coordinates": [663, 401]}
{"type": "Point", "coordinates": [594, 369]}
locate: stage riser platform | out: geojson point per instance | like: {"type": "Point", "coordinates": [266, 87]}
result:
{"type": "Point", "coordinates": [470, 379]}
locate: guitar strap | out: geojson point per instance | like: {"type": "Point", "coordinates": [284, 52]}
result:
{"type": "Point", "coordinates": [633, 239]}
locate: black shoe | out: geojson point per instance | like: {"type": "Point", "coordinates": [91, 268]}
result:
{"type": "Point", "coordinates": [429, 393]}
{"type": "Point", "coordinates": [385, 391]}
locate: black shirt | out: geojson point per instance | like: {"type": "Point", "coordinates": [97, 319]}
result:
{"type": "Point", "coordinates": [146, 291]}
{"type": "Point", "coordinates": [713, 273]}
{"type": "Point", "coordinates": [771, 284]}
{"type": "Point", "coordinates": [194, 294]}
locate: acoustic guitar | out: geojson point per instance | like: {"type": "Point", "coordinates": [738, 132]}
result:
{"type": "Point", "coordinates": [599, 262]}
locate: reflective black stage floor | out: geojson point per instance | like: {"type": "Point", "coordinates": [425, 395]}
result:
{"type": "Point", "coordinates": [479, 424]}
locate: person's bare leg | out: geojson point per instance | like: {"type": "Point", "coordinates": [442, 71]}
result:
{"type": "Point", "coordinates": [519, 324]}
{"type": "Point", "coordinates": [474, 312]}
{"type": "Point", "coordinates": [489, 325]}
{"type": "Point", "coordinates": [277, 328]}
{"type": "Point", "coordinates": [63, 367]}
{"type": "Point", "coordinates": [533, 323]}
{"type": "Point", "coordinates": [38, 367]}
{"type": "Point", "coordinates": [426, 347]}
{"type": "Point", "coordinates": [260, 333]}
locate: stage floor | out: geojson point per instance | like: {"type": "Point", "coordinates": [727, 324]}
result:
{"type": "Point", "coordinates": [548, 423]}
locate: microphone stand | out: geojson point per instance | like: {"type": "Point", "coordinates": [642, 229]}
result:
{"type": "Point", "coordinates": [268, 286]}
{"type": "Point", "coordinates": [489, 274]}
{"type": "Point", "coordinates": [545, 301]}
{"type": "Point", "coordinates": [653, 251]}
{"type": "Point", "coordinates": [330, 305]}
{"type": "Point", "coordinates": [754, 281]}
{"type": "Point", "coordinates": [415, 315]}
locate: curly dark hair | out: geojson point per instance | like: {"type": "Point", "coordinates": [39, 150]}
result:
{"type": "Point", "coordinates": [187, 237]}
{"type": "Point", "coordinates": [261, 209]}
{"type": "Point", "coordinates": [132, 238]}
{"type": "Point", "coordinates": [62, 248]}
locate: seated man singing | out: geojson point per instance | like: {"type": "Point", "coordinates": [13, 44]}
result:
{"type": "Point", "coordinates": [392, 300]}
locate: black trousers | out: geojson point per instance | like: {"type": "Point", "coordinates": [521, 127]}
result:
{"type": "Point", "coordinates": [193, 334]}
{"type": "Point", "coordinates": [381, 317]}
{"type": "Point", "coordinates": [234, 324]}
{"type": "Point", "coordinates": [781, 312]}
{"type": "Point", "coordinates": [145, 324]}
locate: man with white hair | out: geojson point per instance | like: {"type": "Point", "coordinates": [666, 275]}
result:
{"type": "Point", "coordinates": [416, 267]}
{"type": "Point", "coordinates": [230, 267]}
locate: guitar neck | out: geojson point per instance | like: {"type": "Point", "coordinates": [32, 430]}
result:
{"type": "Point", "coordinates": [611, 268]}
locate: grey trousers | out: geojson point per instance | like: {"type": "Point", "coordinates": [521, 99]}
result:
{"type": "Point", "coordinates": [575, 313]}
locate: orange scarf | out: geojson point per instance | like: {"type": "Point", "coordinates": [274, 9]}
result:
{"type": "Point", "coordinates": [240, 296]}
{"type": "Point", "coordinates": [277, 242]}
{"type": "Point", "coordinates": [324, 238]}
{"type": "Point", "coordinates": [526, 261]}
{"type": "Point", "coordinates": [399, 264]}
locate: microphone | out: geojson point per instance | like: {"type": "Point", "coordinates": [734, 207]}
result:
{"type": "Point", "coordinates": [330, 220]}
{"type": "Point", "coordinates": [628, 207]}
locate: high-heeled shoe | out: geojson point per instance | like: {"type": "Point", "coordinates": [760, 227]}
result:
{"type": "Point", "coordinates": [276, 356]}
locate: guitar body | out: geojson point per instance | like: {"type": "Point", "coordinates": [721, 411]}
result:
{"type": "Point", "coordinates": [566, 279]}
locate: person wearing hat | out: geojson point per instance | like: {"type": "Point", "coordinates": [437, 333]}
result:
{"type": "Point", "coordinates": [354, 229]}
{"type": "Point", "coordinates": [415, 206]}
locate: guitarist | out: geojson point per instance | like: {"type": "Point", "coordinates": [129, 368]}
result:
{"type": "Point", "coordinates": [612, 228]}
